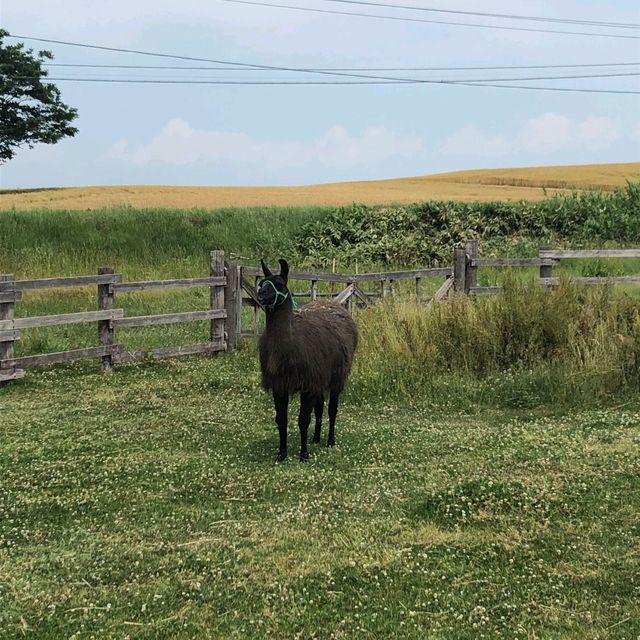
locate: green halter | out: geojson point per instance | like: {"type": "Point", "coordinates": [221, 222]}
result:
{"type": "Point", "coordinates": [284, 297]}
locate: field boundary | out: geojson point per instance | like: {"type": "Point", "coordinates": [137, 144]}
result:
{"type": "Point", "coordinates": [233, 287]}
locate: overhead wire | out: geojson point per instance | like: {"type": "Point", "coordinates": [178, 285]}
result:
{"type": "Point", "coordinates": [430, 21]}
{"type": "Point", "coordinates": [367, 69]}
{"type": "Point", "coordinates": [434, 80]}
{"type": "Point", "coordinates": [389, 79]}
{"type": "Point", "coordinates": [507, 16]}
{"type": "Point", "coordinates": [468, 83]}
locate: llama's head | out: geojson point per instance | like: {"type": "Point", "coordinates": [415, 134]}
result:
{"type": "Point", "coordinates": [272, 289]}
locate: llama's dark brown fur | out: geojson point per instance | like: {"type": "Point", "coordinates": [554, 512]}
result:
{"type": "Point", "coordinates": [308, 351]}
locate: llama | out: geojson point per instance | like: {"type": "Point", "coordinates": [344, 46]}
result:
{"type": "Point", "coordinates": [308, 351]}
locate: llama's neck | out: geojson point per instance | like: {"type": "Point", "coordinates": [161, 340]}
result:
{"type": "Point", "coordinates": [279, 319]}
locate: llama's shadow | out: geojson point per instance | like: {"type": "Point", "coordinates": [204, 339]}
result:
{"type": "Point", "coordinates": [265, 448]}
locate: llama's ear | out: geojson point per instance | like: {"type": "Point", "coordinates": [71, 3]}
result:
{"type": "Point", "coordinates": [284, 269]}
{"type": "Point", "coordinates": [265, 269]}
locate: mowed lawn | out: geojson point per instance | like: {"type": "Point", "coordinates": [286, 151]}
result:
{"type": "Point", "coordinates": [148, 504]}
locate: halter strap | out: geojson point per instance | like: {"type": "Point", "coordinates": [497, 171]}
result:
{"type": "Point", "coordinates": [284, 297]}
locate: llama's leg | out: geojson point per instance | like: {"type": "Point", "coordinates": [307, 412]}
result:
{"type": "Point", "coordinates": [306, 406]}
{"type": "Point", "coordinates": [282, 404]}
{"type": "Point", "coordinates": [333, 412]}
{"type": "Point", "coordinates": [319, 408]}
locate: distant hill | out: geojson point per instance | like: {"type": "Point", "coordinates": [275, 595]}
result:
{"type": "Point", "coordinates": [486, 184]}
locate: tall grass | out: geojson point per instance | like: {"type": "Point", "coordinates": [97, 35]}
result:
{"type": "Point", "coordinates": [141, 242]}
{"type": "Point", "coordinates": [175, 242]}
{"type": "Point", "coordinates": [568, 341]}
{"type": "Point", "coordinates": [540, 344]}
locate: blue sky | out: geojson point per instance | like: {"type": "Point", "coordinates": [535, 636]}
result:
{"type": "Point", "coordinates": [268, 135]}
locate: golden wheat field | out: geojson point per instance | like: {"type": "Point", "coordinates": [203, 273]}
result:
{"type": "Point", "coordinates": [487, 184]}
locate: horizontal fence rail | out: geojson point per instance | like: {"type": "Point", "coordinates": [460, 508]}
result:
{"type": "Point", "coordinates": [589, 253]}
{"type": "Point", "coordinates": [183, 283]}
{"type": "Point", "coordinates": [513, 262]}
{"type": "Point", "coordinates": [234, 287]}
{"type": "Point", "coordinates": [10, 296]}
{"type": "Point", "coordinates": [324, 276]}
{"type": "Point", "coordinates": [74, 281]}
{"type": "Point", "coordinates": [63, 318]}
{"type": "Point", "coordinates": [591, 280]}
{"type": "Point", "coordinates": [170, 318]}
{"type": "Point", "coordinates": [109, 318]}
{"type": "Point", "coordinates": [66, 356]}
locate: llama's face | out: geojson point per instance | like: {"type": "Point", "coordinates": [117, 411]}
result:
{"type": "Point", "coordinates": [272, 289]}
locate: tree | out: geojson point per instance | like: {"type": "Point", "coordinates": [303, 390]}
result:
{"type": "Point", "coordinates": [31, 110]}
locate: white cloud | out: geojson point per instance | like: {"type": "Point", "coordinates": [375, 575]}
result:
{"type": "Point", "coordinates": [597, 132]}
{"type": "Point", "coordinates": [549, 132]}
{"type": "Point", "coordinates": [178, 144]}
{"type": "Point", "coordinates": [546, 134]}
{"type": "Point", "coordinates": [470, 141]}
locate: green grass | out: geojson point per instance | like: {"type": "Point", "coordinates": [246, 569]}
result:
{"type": "Point", "coordinates": [485, 483]}
{"type": "Point", "coordinates": [147, 504]}
{"type": "Point", "coordinates": [144, 243]}
{"type": "Point", "coordinates": [141, 243]}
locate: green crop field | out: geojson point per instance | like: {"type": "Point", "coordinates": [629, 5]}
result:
{"type": "Point", "coordinates": [486, 481]}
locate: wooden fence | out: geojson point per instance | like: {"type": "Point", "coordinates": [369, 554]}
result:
{"type": "Point", "coordinates": [221, 282]}
{"type": "Point", "coordinates": [467, 261]}
{"type": "Point", "coordinates": [354, 288]}
{"type": "Point", "coordinates": [233, 287]}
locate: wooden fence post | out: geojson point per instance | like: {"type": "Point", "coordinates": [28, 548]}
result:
{"type": "Point", "coordinates": [314, 290]}
{"type": "Point", "coordinates": [459, 269]}
{"type": "Point", "coordinates": [350, 304]}
{"type": "Point", "coordinates": [256, 311]}
{"type": "Point", "coordinates": [231, 303]}
{"type": "Point", "coordinates": [473, 252]}
{"type": "Point", "coordinates": [418, 289]}
{"type": "Point", "coordinates": [217, 296]}
{"type": "Point", "coordinates": [106, 332]}
{"type": "Point", "coordinates": [546, 271]}
{"type": "Point", "coordinates": [7, 343]}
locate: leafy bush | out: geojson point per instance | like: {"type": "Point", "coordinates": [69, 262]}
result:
{"type": "Point", "coordinates": [425, 233]}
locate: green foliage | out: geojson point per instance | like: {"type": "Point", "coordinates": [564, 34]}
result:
{"type": "Point", "coordinates": [551, 344]}
{"type": "Point", "coordinates": [31, 110]}
{"type": "Point", "coordinates": [478, 450]}
{"type": "Point", "coordinates": [147, 504]}
{"type": "Point", "coordinates": [425, 233]}
{"type": "Point", "coordinates": [143, 242]}
{"type": "Point", "coordinates": [175, 242]}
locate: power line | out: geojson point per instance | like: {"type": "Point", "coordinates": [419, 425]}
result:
{"type": "Point", "coordinates": [440, 80]}
{"type": "Point", "coordinates": [242, 64]}
{"type": "Point", "coordinates": [429, 21]}
{"type": "Point", "coordinates": [508, 16]}
{"type": "Point", "coordinates": [468, 83]}
{"type": "Point", "coordinates": [367, 69]}
{"type": "Point", "coordinates": [192, 58]}
{"type": "Point", "coordinates": [563, 89]}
